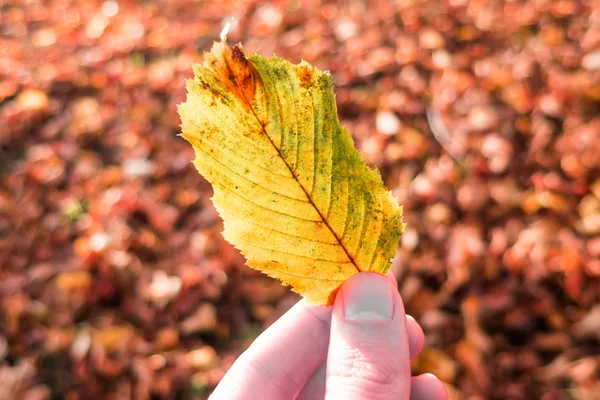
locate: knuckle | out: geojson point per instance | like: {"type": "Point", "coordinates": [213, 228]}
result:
{"type": "Point", "coordinates": [373, 372]}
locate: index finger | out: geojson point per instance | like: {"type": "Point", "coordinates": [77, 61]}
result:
{"type": "Point", "coordinates": [281, 360]}
{"type": "Point", "coordinates": [284, 357]}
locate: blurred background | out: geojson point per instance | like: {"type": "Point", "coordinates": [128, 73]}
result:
{"type": "Point", "coordinates": [482, 116]}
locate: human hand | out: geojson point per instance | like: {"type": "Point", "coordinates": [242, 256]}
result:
{"type": "Point", "coordinates": [359, 348]}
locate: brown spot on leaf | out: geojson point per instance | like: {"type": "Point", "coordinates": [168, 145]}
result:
{"type": "Point", "coordinates": [241, 74]}
{"type": "Point", "coordinates": [304, 74]}
{"type": "Point", "coordinates": [238, 55]}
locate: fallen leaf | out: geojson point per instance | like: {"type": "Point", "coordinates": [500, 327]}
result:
{"type": "Point", "coordinates": [296, 198]}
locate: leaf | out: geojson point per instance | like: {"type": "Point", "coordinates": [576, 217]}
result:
{"type": "Point", "coordinates": [295, 196]}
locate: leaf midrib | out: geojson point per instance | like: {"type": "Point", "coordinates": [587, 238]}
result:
{"type": "Point", "coordinates": [249, 104]}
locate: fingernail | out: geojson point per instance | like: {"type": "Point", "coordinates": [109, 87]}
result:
{"type": "Point", "coordinates": [368, 297]}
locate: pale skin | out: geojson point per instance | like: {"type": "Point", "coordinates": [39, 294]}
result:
{"type": "Point", "coordinates": [358, 349]}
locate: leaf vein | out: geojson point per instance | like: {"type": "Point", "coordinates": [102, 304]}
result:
{"type": "Point", "coordinates": [295, 113]}
{"type": "Point", "coordinates": [251, 181]}
{"type": "Point", "coordinates": [376, 241]}
{"type": "Point", "coordinates": [347, 209]}
{"type": "Point", "coordinates": [362, 228]}
{"type": "Point", "coordinates": [313, 278]}
{"type": "Point", "coordinates": [314, 143]}
{"type": "Point", "coordinates": [287, 253]}
{"type": "Point", "coordinates": [226, 188]}
{"type": "Point", "coordinates": [330, 177]}
{"type": "Point", "coordinates": [291, 171]}
{"type": "Point", "coordinates": [196, 142]}
{"type": "Point", "coordinates": [278, 231]}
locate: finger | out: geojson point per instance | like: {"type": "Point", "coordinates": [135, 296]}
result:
{"type": "Point", "coordinates": [369, 356]}
{"type": "Point", "coordinates": [422, 387]}
{"type": "Point", "coordinates": [315, 387]}
{"type": "Point", "coordinates": [427, 387]}
{"type": "Point", "coordinates": [263, 357]}
{"type": "Point", "coordinates": [392, 280]}
{"type": "Point", "coordinates": [416, 337]}
{"type": "Point", "coordinates": [282, 359]}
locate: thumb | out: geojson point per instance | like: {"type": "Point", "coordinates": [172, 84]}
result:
{"type": "Point", "coordinates": [368, 356]}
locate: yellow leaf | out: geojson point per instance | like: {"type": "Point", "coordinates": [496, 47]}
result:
{"type": "Point", "coordinates": [295, 196]}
